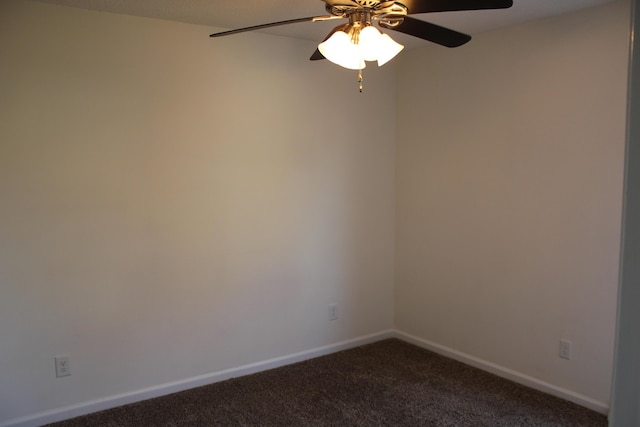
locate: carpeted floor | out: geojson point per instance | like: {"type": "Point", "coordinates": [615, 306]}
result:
{"type": "Point", "coordinates": [389, 383]}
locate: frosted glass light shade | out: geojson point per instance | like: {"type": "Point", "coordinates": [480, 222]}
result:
{"type": "Point", "coordinates": [387, 49]}
{"type": "Point", "coordinates": [341, 51]}
{"type": "Point", "coordinates": [368, 43]}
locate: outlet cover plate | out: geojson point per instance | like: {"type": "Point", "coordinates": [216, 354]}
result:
{"type": "Point", "coordinates": [63, 366]}
{"type": "Point", "coordinates": [565, 349]}
{"type": "Point", "coordinates": [333, 311]}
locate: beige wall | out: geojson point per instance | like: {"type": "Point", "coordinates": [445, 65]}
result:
{"type": "Point", "coordinates": [173, 205]}
{"type": "Point", "coordinates": [510, 155]}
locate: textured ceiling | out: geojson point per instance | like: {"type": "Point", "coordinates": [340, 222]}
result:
{"type": "Point", "coordinates": [228, 14]}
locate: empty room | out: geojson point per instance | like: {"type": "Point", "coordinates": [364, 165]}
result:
{"type": "Point", "coordinates": [179, 210]}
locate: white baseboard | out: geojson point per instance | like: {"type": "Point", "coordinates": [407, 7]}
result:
{"type": "Point", "coordinates": [84, 408]}
{"type": "Point", "coordinates": [507, 373]}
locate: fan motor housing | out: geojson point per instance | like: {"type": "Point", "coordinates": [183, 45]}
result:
{"type": "Point", "coordinates": [388, 11]}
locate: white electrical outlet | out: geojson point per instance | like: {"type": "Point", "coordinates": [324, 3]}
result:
{"type": "Point", "coordinates": [333, 311]}
{"type": "Point", "coordinates": [63, 366]}
{"type": "Point", "coordinates": [565, 349]}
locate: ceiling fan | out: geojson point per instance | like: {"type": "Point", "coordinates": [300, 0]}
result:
{"type": "Point", "coordinates": [353, 43]}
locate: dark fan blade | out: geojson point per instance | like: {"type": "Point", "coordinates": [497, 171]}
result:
{"type": "Point", "coordinates": [431, 32]}
{"type": "Point", "coordinates": [424, 6]}
{"type": "Point", "coordinates": [272, 24]}
{"type": "Point", "coordinates": [317, 55]}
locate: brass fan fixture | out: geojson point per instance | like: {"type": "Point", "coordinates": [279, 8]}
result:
{"type": "Point", "coordinates": [352, 44]}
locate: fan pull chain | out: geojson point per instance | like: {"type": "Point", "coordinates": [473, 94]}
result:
{"type": "Point", "coordinates": [360, 79]}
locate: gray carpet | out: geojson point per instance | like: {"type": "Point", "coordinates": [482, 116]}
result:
{"type": "Point", "coordinates": [389, 383]}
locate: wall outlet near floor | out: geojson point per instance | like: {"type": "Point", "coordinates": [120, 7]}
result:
{"type": "Point", "coordinates": [63, 366]}
{"type": "Point", "coordinates": [565, 349]}
{"type": "Point", "coordinates": [333, 311]}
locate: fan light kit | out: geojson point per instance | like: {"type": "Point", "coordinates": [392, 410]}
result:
{"type": "Point", "coordinates": [352, 44]}
{"type": "Point", "coordinates": [357, 42]}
